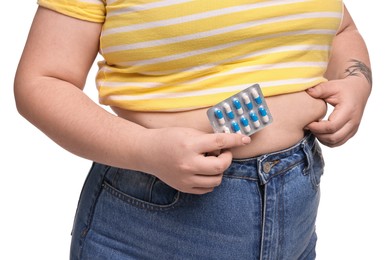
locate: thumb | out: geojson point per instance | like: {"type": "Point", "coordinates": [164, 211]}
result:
{"type": "Point", "coordinates": [322, 90]}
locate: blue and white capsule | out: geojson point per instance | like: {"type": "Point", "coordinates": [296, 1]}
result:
{"type": "Point", "coordinates": [228, 110]}
{"type": "Point", "coordinates": [237, 105]}
{"type": "Point", "coordinates": [219, 115]}
{"type": "Point", "coordinates": [247, 101]}
{"type": "Point", "coordinates": [255, 119]}
{"type": "Point", "coordinates": [245, 124]}
{"type": "Point", "coordinates": [236, 128]}
{"type": "Point", "coordinates": [256, 96]}
{"type": "Point", "coordinates": [263, 114]}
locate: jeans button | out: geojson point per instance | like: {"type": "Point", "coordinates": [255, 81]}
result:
{"type": "Point", "coordinates": [267, 167]}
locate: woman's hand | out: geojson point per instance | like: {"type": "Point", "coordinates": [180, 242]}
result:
{"type": "Point", "coordinates": [178, 156]}
{"type": "Point", "coordinates": [348, 96]}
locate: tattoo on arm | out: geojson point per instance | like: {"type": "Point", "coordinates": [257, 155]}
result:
{"type": "Point", "coordinates": [359, 67]}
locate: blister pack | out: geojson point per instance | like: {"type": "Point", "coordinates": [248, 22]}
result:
{"type": "Point", "coordinates": [245, 113]}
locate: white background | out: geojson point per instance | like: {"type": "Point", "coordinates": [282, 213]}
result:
{"type": "Point", "coordinates": [40, 182]}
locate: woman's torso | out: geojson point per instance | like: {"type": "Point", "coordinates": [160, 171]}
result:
{"type": "Point", "coordinates": [188, 55]}
{"type": "Point", "coordinates": [291, 113]}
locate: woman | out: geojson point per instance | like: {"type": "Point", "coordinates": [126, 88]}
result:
{"type": "Point", "coordinates": [163, 185]}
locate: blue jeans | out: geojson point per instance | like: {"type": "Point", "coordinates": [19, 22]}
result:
{"type": "Point", "coordinates": [265, 208]}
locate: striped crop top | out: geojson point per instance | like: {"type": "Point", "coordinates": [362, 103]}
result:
{"type": "Point", "coordinates": [174, 55]}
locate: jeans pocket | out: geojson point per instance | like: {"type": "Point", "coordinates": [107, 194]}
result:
{"type": "Point", "coordinates": [141, 189]}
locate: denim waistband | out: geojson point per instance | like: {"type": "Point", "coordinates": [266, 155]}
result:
{"type": "Point", "coordinates": [266, 166]}
{"type": "Point", "coordinates": [260, 168]}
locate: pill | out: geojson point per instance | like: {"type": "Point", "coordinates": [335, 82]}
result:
{"type": "Point", "coordinates": [228, 110]}
{"type": "Point", "coordinates": [236, 127]}
{"type": "Point", "coordinates": [237, 105]}
{"type": "Point", "coordinates": [255, 119]}
{"type": "Point", "coordinates": [247, 101]}
{"type": "Point", "coordinates": [219, 115]}
{"type": "Point", "coordinates": [264, 115]}
{"type": "Point", "coordinates": [226, 130]}
{"type": "Point", "coordinates": [256, 96]}
{"type": "Point", "coordinates": [245, 124]}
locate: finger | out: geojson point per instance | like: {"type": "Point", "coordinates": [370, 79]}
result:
{"type": "Point", "coordinates": [324, 127]}
{"type": "Point", "coordinates": [214, 165]}
{"type": "Point", "coordinates": [324, 90]}
{"type": "Point", "coordinates": [334, 140]}
{"type": "Point", "coordinates": [207, 181]}
{"type": "Point", "coordinates": [213, 142]}
{"type": "Point", "coordinates": [201, 184]}
{"type": "Point", "coordinates": [199, 191]}
{"type": "Point", "coordinates": [339, 137]}
{"type": "Point", "coordinates": [336, 120]}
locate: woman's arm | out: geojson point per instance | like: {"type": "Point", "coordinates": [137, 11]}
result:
{"type": "Point", "coordinates": [348, 88]}
{"type": "Point", "coordinates": [48, 90]}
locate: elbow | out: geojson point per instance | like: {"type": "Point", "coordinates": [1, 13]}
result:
{"type": "Point", "coordinates": [21, 96]}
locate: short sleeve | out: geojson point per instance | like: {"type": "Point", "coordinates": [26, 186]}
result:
{"type": "Point", "coordinates": [89, 10]}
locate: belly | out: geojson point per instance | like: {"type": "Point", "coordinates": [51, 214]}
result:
{"type": "Point", "coordinates": [291, 113]}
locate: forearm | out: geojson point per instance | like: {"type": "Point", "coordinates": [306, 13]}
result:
{"type": "Point", "coordinates": [348, 88]}
{"type": "Point", "coordinates": [65, 114]}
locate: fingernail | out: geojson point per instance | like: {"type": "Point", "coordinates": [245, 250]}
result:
{"type": "Point", "coordinates": [246, 139]}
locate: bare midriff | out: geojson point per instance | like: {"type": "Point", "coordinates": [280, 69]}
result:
{"type": "Point", "coordinates": [290, 112]}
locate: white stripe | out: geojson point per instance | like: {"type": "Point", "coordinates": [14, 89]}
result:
{"type": "Point", "coordinates": [277, 83]}
{"type": "Point", "coordinates": [112, 84]}
{"type": "Point", "coordinates": [195, 17]}
{"type": "Point", "coordinates": [178, 95]}
{"type": "Point", "coordinates": [284, 65]}
{"type": "Point", "coordinates": [209, 91]}
{"type": "Point", "coordinates": [261, 68]}
{"type": "Point", "coordinates": [214, 48]}
{"type": "Point", "coordinates": [137, 8]}
{"type": "Point", "coordinates": [307, 47]}
{"type": "Point", "coordinates": [294, 65]}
